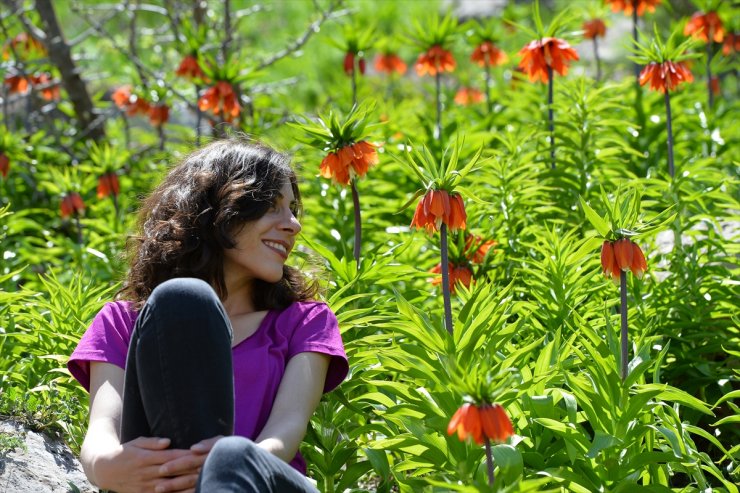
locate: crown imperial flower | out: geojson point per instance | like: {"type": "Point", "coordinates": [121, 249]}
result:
{"type": "Point", "coordinates": [594, 28]}
{"type": "Point", "coordinates": [468, 95]}
{"type": "Point", "coordinates": [389, 63]}
{"type": "Point", "coordinates": [665, 76]}
{"type": "Point", "coordinates": [71, 204]}
{"type": "Point", "coordinates": [108, 185]}
{"type": "Point", "coordinates": [4, 165]}
{"type": "Point", "coordinates": [349, 161]}
{"type": "Point", "coordinates": [628, 6]}
{"type": "Point", "coordinates": [481, 422]}
{"type": "Point", "coordinates": [190, 68]}
{"type": "Point", "coordinates": [622, 255]}
{"type": "Point", "coordinates": [349, 63]}
{"type": "Point", "coordinates": [705, 26]}
{"type": "Point", "coordinates": [435, 60]}
{"type": "Point", "coordinates": [540, 54]}
{"type": "Point", "coordinates": [221, 99]}
{"type": "Point", "coordinates": [488, 54]}
{"type": "Point", "coordinates": [437, 207]}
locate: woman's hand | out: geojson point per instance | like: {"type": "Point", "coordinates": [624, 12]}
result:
{"type": "Point", "coordinates": [184, 470]}
{"type": "Point", "coordinates": [136, 466]}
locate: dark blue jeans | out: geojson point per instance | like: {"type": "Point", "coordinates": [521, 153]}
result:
{"type": "Point", "coordinates": [179, 385]}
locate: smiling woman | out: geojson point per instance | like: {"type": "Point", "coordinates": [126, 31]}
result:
{"type": "Point", "coordinates": [212, 335]}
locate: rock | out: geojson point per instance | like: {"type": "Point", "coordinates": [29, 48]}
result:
{"type": "Point", "coordinates": [38, 464]}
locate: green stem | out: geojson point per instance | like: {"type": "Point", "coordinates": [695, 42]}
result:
{"type": "Point", "coordinates": [709, 70]}
{"type": "Point", "coordinates": [438, 125]}
{"type": "Point", "coordinates": [635, 38]}
{"type": "Point", "coordinates": [358, 221]}
{"type": "Point", "coordinates": [446, 279]}
{"type": "Point", "coordinates": [198, 116]}
{"type": "Point", "coordinates": [624, 334]}
{"type": "Point", "coordinates": [550, 115]}
{"type": "Point", "coordinates": [598, 60]}
{"type": "Point", "coordinates": [669, 130]}
{"type": "Point", "coordinates": [79, 228]}
{"type": "Point", "coordinates": [355, 66]}
{"type": "Point", "coordinates": [488, 86]}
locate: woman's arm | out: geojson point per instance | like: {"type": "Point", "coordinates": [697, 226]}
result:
{"type": "Point", "coordinates": [134, 466]}
{"type": "Point", "coordinates": [297, 397]}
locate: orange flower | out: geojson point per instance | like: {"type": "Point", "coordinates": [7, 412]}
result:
{"type": "Point", "coordinates": [638, 266]}
{"type": "Point", "coordinates": [481, 247]}
{"type": "Point", "coordinates": [159, 114]}
{"type": "Point", "coordinates": [482, 422]}
{"type": "Point", "coordinates": [714, 85]}
{"type": "Point", "coordinates": [4, 164]}
{"type": "Point", "coordinates": [16, 84]}
{"type": "Point", "coordinates": [49, 90]}
{"type": "Point", "coordinates": [488, 54]}
{"type": "Point", "coordinates": [349, 63]}
{"type": "Point", "coordinates": [389, 63]}
{"type": "Point", "coordinates": [665, 76]}
{"type": "Point", "coordinates": [546, 52]}
{"type": "Point", "coordinates": [435, 59]}
{"type": "Point", "coordinates": [221, 98]}
{"type": "Point", "coordinates": [189, 68]}
{"type": "Point", "coordinates": [468, 95]}
{"type": "Point", "coordinates": [594, 28]}
{"type": "Point", "coordinates": [24, 45]}
{"type": "Point", "coordinates": [108, 184]}
{"type": "Point", "coordinates": [457, 274]}
{"type": "Point", "coordinates": [731, 44]}
{"type": "Point", "coordinates": [131, 103]}
{"type": "Point", "coordinates": [350, 161]}
{"type": "Point", "coordinates": [437, 207]}
{"type": "Point", "coordinates": [705, 27]}
{"type": "Point", "coordinates": [627, 6]}
{"type": "Point", "coordinates": [623, 254]}
{"type": "Point", "coordinates": [72, 204]}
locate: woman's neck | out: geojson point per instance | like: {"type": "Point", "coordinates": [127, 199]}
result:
{"type": "Point", "coordinates": [239, 298]}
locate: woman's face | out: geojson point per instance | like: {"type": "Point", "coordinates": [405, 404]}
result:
{"type": "Point", "coordinates": [262, 246]}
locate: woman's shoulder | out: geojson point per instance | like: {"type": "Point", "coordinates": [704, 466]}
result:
{"type": "Point", "coordinates": [119, 314]}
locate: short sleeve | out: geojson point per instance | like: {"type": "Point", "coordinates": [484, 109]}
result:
{"type": "Point", "coordinates": [106, 340]}
{"type": "Point", "coordinates": [318, 331]}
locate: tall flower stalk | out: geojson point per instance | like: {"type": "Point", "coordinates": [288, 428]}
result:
{"type": "Point", "coordinates": [441, 207]}
{"type": "Point", "coordinates": [665, 70]}
{"type": "Point", "coordinates": [435, 37]}
{"type": "Point", "coordinates": [544, 56]}
{"type": "Point", "coordinates": [487, 53]}
{"type": "Point", "coordinates": [593, 29]}
{"type": "Point", "coordinates": [706, 26]}
{"type": "Point", "coordinates": [349, 155]}
{"type": "Point", "coordinates": [619, 253]}
{"type": "Point", "coordinates": [355, 43]}
{"type": "Point", "coordinates": [635, 9]}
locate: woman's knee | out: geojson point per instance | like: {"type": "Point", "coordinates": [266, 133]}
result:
{"type": "Point", "coordinates": [183, 293]}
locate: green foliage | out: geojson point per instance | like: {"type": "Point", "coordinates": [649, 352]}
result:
{"type": "Point", "coordinates": [537, 331]}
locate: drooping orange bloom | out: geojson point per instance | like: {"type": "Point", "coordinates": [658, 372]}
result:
{"type": "Point", "coordinates": [350, 161]}
{"type": "Point", "coordinates": [481, 422]}
{"type": "Point", "coordinates": [23, 45]}
{"type": "Point", "coordinates": [457, 274]}
{"type": "Point", "coordinates": [49, 91]}
{"type": "Point", "coordinates": [546, 52]}
{"type": "Point", "coordinates": [665, 76]}
{"type": "Point", "coordinates": [131, 103]}
{"type": "Point", "coordinates": [468, 95]}
{"type": "Point", "coordinates": [627, 6]}
{"type": "Point", "coordinates": [622, 255]}
{"type": "Point", "coordinates": [731, 44]}
{"type": "Point", "coordinates": [488, 54]}
{"type": "Point", "coordinates": [159, 114]}
{"type": "Point", "coordinates": [594, 28]}
{"type": "Point", "coordinates": [714, 85]}
{"type": "Point", "coordinates": [221, 98]}
{"type": "Point", "coordinates": [389, 63]}
{"type": "Point", "coordinates": [108, 185]}
{"type": "Point", "coordinates": [16, 84]}
{"type": "Point", "coordinates": [190, 68]}
{"type": "Point", "coordinates": [4, 165]}
{"type": "Point", "coordinates": [481, 247]}
{"type": "Point", "coordinates": [72, 204]}
{"type": "Point", "coordinates": [705, 27]}
{"type": "Point", "coordinates": [435, 60]}
{"type": "Point", "coordinates": [437, 207]}
{"type": "Point", "coordinates": [349, 63]}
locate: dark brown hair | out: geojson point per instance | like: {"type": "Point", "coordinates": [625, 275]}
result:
{"type": "Point", "coordinates": [188, 221]}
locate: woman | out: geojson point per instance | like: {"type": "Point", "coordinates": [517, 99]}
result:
{"type": "Point", "coordinates": [212, 336]}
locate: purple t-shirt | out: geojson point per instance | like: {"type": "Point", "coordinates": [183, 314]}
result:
{"type": "Point", "coordinates": [259, 361]}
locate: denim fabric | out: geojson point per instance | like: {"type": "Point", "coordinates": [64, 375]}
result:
{"type": "Point", "coordinates": [236, 464]}
{"type": "Point", "coordinates": [179, 380]}
{"type": "Point", "coordinates": [179, 384]}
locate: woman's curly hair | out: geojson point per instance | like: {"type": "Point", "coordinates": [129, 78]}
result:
{"type": "Point", "coordinates": [188, 221]}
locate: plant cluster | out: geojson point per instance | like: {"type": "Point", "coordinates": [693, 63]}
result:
{"type": "Point", "coordinates": [507, 184]}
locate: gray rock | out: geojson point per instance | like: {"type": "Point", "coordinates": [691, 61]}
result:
{"type": "Point", "coordinates": [39, 465]}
